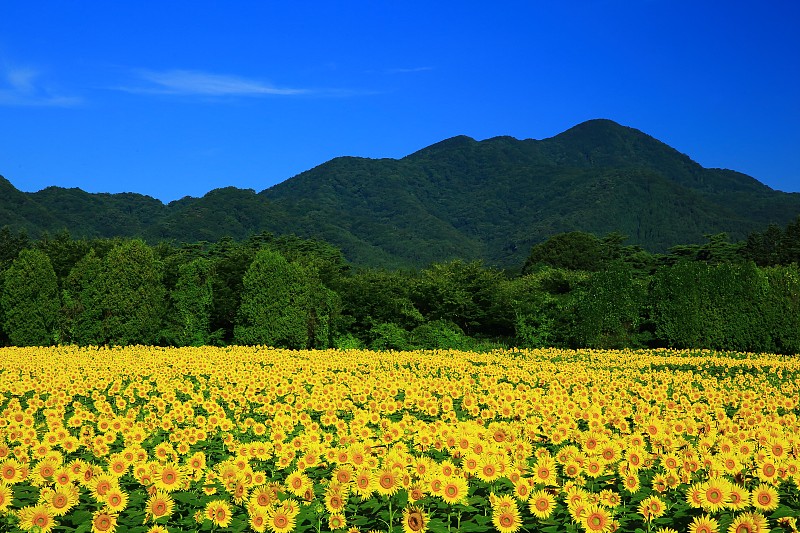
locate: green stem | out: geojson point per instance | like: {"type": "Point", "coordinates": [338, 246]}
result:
{"type": "Point", "coordinates": [391, 515]}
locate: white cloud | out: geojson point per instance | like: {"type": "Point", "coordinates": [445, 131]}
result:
{"type": "Point", "coordinates": [407, 70]}
{"type": "Point", "coordinates": [21, 86]}
{"type": "Point", "coordinates": [189, 82]}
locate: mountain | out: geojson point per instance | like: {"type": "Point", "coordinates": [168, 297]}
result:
{"type": "Point", "coordinates": [490, 199]}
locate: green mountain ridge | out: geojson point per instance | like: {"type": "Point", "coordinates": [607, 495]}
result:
{"type": "Point", "coordinates": [458, 198]}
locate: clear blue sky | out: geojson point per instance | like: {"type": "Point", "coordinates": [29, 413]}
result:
{"type": "Point", "coordinates": [177, 98]}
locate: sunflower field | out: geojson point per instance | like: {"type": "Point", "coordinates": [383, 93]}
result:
{"type": "Point", "coordinates": [155, 440]}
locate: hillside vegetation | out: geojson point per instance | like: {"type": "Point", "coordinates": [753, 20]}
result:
{"type": "Point", "coordinates": [474, 200]}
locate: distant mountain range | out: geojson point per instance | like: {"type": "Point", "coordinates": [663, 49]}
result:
{"type": "Point", "coordinates": [462, 198]}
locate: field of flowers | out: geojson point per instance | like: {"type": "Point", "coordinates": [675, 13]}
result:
{"type": "Point", "coordinates": [147, 439]}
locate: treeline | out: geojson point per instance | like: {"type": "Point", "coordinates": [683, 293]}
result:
{"type": "Point", "coordinates": [574, 290]}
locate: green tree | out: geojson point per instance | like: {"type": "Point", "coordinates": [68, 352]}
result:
{"type": "Point", "coordinates": [608, 309]}
{"type": "Point", "coordinates": [781, 308]}
{"type": "Point", "coordinates": [132, 295]}
{"type": "Point", "coordinates": [324, 308]}
{"type": "Point", "coordinates": [371, 297]}
{"type": "Point", "coordinates": [230, 263]}
{"type": "Point", "coordinates": [676, 304]}
{"type": "Point", "coordinates": [83, 302]}
{"type": "Point", "coordinates": [30, 300]}
{"type": "Point", "coordinates": [275, 302]}
{"type": "Point", "coordinates": [192, 299]}
{"type": "Point", "coordinates": [575, 250]}
{"type": "Point", "coordinates": [64, 252]}
{"type": "Point", "coordinates": [464, 293]}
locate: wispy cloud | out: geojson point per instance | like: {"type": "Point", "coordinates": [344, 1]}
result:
{"type": "Point", "coordinates": [407, 70]}
{"type": "Point", "coordinates": [22, 86]}
{"type": "Point", "coordinates": [195, 83]}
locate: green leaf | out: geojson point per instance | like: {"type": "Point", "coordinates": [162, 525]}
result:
{"type": "Point", "coordinates": [84, 527]}
{"type": "Point", "coordinates": [81, 517]}
{"type": "Point", "coordinates": [783, 511]}
{"type": "Point", "coordinates": [436, 525]}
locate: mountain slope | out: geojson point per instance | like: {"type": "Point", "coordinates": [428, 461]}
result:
{"type": "Point", "coordinates": [489, 199]}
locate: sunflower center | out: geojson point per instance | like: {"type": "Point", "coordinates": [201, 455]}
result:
{"type": "Point", "coordinates": [541, 505]}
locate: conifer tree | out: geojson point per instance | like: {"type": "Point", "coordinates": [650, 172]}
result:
{"type": "Point", "coordinates": [30, 302]}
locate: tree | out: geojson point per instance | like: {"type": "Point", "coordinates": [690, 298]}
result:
{"type": "Point", "coordinates": [575, 250]}
{"type": "Point", "coordinates": [30, 300]}
{"type": "Point", "coordinates": [465, 294]}
{"type": "Point", "coordinates": [64, 252]}
{"type": "Point", "coordinates": [372, 297]}
{"type": "Point", "coordinates": [83, 302]}
{"type": "Point", "coordinates": [275, 302]}
{"type": "Point", "coordinates": [608, 309]}
{"type": "Point", "coordinates": [676, 303]}
{"type": "Point", "coordinates": [230, 263]}
{"type": "Point", "coordinates": [132, 295]}
{"type": "Point", "coordinates": [192, 299]}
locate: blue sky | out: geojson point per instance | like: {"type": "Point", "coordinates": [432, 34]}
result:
{"type": "Point", "coordinates": [177, 98]}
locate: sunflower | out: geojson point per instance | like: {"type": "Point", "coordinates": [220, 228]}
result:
{"type": "Point", "coordinates": [297, 483]}
{"type": "Point", "coordinates": [715, 494]}
{"type": "Point", "coordinates": [609, 498]}
{"type": "Point", "coordinates": [765, 497]}
{"type": "Point", "coordinates": [506, 518]}
{"type": "Point", "coordinates": [415, 520]}
{"type": "Point", "coordinates": [197, 461]}
{"type": "Point", "coordinates": [335, 499]}
{"type": "Point", "coordinates": [116, 499]}
{"type": "Point", "coordinates": [572, 468]}
{"type": "Point", "coordinates": [104, 521]}
{"type": "Point", "coordinates": [343, 473]}
{"type": "Point", "coordinates": [337, 521]}
{"type": "Point", "coordinates": [118, 465]}
{"type": "Point", "coordinates": [160, 504]}
{"type": "Point", "coordinates": [11, 472]}
{"type": "Point", "coordinates": [6, 495]}
{"type": "Point", "coordinates": [281, 519]}
{"type": "Point", "coordinates": [264, 495]}
{"type": "Point", "coordinates": [738, 497]}
{"type": "Point", "coordinates": [258, 519]}
{"type": "Point", "coordinates": [703, 524]}
{"type": "Point", "coordinates": [632, 483]}
{"type": "Point", "coordinates": [61, 500]}
{"type": "Point", "coordinates": [219, 512]}
{"type": "Point", "coordinates": [743, 523]}
{"type": "Point", "coordinates": [169, 476]}
{"type": "Point", "coordinates": [364, 484]}
{"type": "Point", "coordinates": [454, 490]}
{"type": "Point", "coordinates": [695, 495]}
{"type": "Point", "coordinates": [488, 468]}
{"type": "Point", "coordinates": [388, 482]}
{"type": "Point", "coordinates": [522, 490]}
{"type": "Point", "coordinates": [45, 469]}
{"type": "Point", "coordinates": [37, 516]}
{"type": "Point", "coordinates": [596, 519]}
{"type": "Point", "coordinates": [542, 504]}
{"type": "Point", "coordinates": [544, 473]}
{"type": "Point", "coordinates": [63, 476]}
{"type": "Point", "coordinates": [651, 507]}
{"type": "Point", "coordinates": [99, 485]}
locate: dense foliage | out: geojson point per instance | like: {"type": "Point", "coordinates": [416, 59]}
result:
{"type": "Point", "coordinates": [298, 293]}
{"type": "Point", "coordinates": [458, 199]}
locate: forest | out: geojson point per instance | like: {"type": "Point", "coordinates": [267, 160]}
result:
{"type": "Point", "coordinates": [575, 290]}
